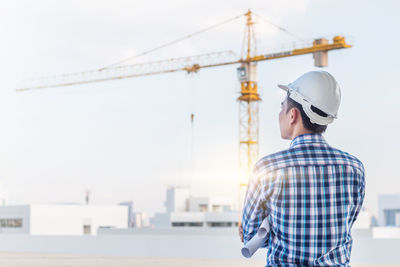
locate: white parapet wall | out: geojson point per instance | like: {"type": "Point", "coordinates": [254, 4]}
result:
{"type": "Point", "coordinates": [386, 233]}
{"type": "Point", "coordinates": [189, 243]}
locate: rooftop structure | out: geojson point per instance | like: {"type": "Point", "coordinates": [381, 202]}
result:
{"type": "Point", "coordinates": [184, 210]}
{"type": "Point", "coordinates": [63, 219]}
{"type": "Point", "coordinates": [389, 210]}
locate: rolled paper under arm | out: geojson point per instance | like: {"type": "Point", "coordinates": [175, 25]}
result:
{"type": "Point", "coordinates": [257, 241]}
{"type": "Point", "coordinates": [264, 228]}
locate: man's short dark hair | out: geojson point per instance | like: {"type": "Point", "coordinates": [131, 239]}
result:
{"type": "Point", "coordinates": [315, 128]}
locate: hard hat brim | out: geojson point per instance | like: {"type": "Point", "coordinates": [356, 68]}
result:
{"type": "Point", "coordinates": [284, 87]}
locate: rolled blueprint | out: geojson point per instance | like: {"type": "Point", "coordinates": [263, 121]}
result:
{"type": "Point", "coordinates": [257, 241]}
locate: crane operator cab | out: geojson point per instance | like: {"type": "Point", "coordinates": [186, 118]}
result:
{"type": "Point", "coordinates": [247, 72]}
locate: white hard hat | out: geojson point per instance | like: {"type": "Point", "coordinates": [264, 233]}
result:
{"type": "Point", "coordinates": [318, 89]}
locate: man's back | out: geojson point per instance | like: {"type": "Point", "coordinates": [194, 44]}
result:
{"type": "Point", "coordinates": [312, 194]}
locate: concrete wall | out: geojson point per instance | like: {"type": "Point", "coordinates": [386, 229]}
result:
{"type": "Point", "coordinates": [224, 244]}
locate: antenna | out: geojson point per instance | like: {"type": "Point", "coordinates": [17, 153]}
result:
{"type": "Point", "coordinates": [87, 196]}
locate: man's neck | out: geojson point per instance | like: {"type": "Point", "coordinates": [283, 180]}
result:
{"type": "Point", "coordinates": [298, 132]}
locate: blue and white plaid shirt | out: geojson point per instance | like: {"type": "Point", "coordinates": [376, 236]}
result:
{"type": "Point", "coordinates": [312, 194]}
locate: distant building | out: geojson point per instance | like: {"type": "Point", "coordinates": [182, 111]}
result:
{"type": "Point", "coordinates": [177, 199]}
{"type": "Point", "coordinates": [209, 204]}
{"type": "Point", "coordinates": [184, 210]}
{"type": "Point", "coordinates": [61, 219]}
{"type": "Point", "coordinates": [140, 220]}
{"type": "Point", "coordinates": [389, 210]}
{"type": "Point", "coordinates": [135, 219]}
{"type": "Point", "coordinates": [131, 214]}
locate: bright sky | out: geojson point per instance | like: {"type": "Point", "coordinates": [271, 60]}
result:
{"type": "Point", "coordinates": [130, 139]}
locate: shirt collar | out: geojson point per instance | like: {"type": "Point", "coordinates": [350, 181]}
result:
{"type": "Point", "coordinates": [307, 138]}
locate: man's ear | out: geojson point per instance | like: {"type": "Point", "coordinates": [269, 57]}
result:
{"type": "Point", "coordinates": [294, 115]}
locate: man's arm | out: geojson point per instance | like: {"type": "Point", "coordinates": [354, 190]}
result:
{"type": "Point", "coordinates": [360, 198]}
{"type": "Point", "coordinates": [255, 206]}
{"type": "Point", "coordinates": [241, 231]}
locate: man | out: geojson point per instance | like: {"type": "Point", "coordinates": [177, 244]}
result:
{"type": "Point", "coordinates": [311, 192]}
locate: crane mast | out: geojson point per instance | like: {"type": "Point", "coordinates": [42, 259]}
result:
{"type": "Point", "coordinates": [248, 112]}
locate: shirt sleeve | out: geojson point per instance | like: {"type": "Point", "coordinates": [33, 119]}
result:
{"type": "Point", "coordinates": [258, 194]}
{"type": "Point", "coordinates": [360, 193]}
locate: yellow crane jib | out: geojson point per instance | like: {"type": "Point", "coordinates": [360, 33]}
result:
{"type": "Point", "coordinates": [319, 49]}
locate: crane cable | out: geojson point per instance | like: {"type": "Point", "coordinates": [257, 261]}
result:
{"type": "Point", "coordinates": [172, 42]}
{"type": "Point", "coordinates": [195, 80]}
{"type": "Point", "coordinates": [279, 27]}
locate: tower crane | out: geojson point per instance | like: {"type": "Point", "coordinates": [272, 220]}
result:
{"type": "Point", "coordinates": [247, 74]}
